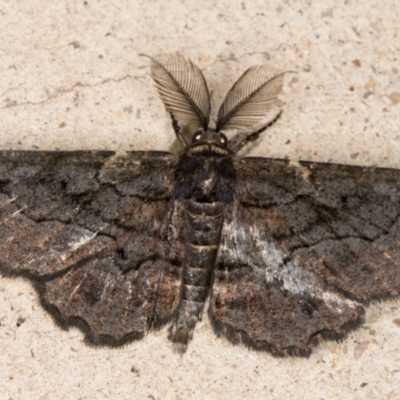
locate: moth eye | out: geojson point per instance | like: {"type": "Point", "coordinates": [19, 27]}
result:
{"type": "Point", "coordinates": [223, 139]}
{"type": "Point", "coordinates": [196, 137]}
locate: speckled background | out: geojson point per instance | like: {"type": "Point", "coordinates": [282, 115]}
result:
{"type": "Point", "coordinates": [72, 78]}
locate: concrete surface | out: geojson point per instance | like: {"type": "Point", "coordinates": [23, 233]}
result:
{"type": "Point", "coordinates": [71, 78]}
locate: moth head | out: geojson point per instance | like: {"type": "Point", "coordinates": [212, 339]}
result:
{"type": "Point", "coordinates": [210, 136]}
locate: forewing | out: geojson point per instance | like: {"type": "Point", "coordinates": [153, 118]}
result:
{"type": "Point", "coordinates": [183, 90]}
{"type": "Point", "coordinates": [93, 231]}
{"type": "Point", "coordinates": [305, 247]}
{"type": "Point", "coordinates": [250, 99]}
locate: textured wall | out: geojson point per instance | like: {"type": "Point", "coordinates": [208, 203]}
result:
{"type": "Point", "coordinates": [71, 78]}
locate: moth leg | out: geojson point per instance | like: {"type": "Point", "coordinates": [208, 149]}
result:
{"type": "Point", "coordinates": [255, 135]}
{"type": "Point", "coordinates": [177, 131]}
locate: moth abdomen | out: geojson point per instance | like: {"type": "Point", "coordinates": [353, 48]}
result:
{"type": "Point", "coordinates": [205, 193]}
{"type": "Point", "coordinates": [203, 230]}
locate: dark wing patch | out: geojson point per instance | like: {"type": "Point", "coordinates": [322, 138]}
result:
{"type": "Point", "coordinates": [307, 245]}
{"type": "Point", "coordinates": [98, 235]}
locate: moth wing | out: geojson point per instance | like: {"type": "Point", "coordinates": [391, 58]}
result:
{"type": "Point", "coordinates": [307, 245]}
{"type": "Point", "coordinates": [183, 90]}
{"type": "Point", "coordinates": [92, 230]}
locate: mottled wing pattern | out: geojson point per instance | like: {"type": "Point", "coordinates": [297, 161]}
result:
{"type": "Point", "coordinates": [98, 234]}
{"type": "Point", "coordinates": [304, 246]}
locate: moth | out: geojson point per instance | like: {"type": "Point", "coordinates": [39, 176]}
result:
{"type": "Point", "coordinates": [283, 253]}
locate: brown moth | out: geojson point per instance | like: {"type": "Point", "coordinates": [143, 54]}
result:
{"type": "Point", "coordinates": [120, 245]}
